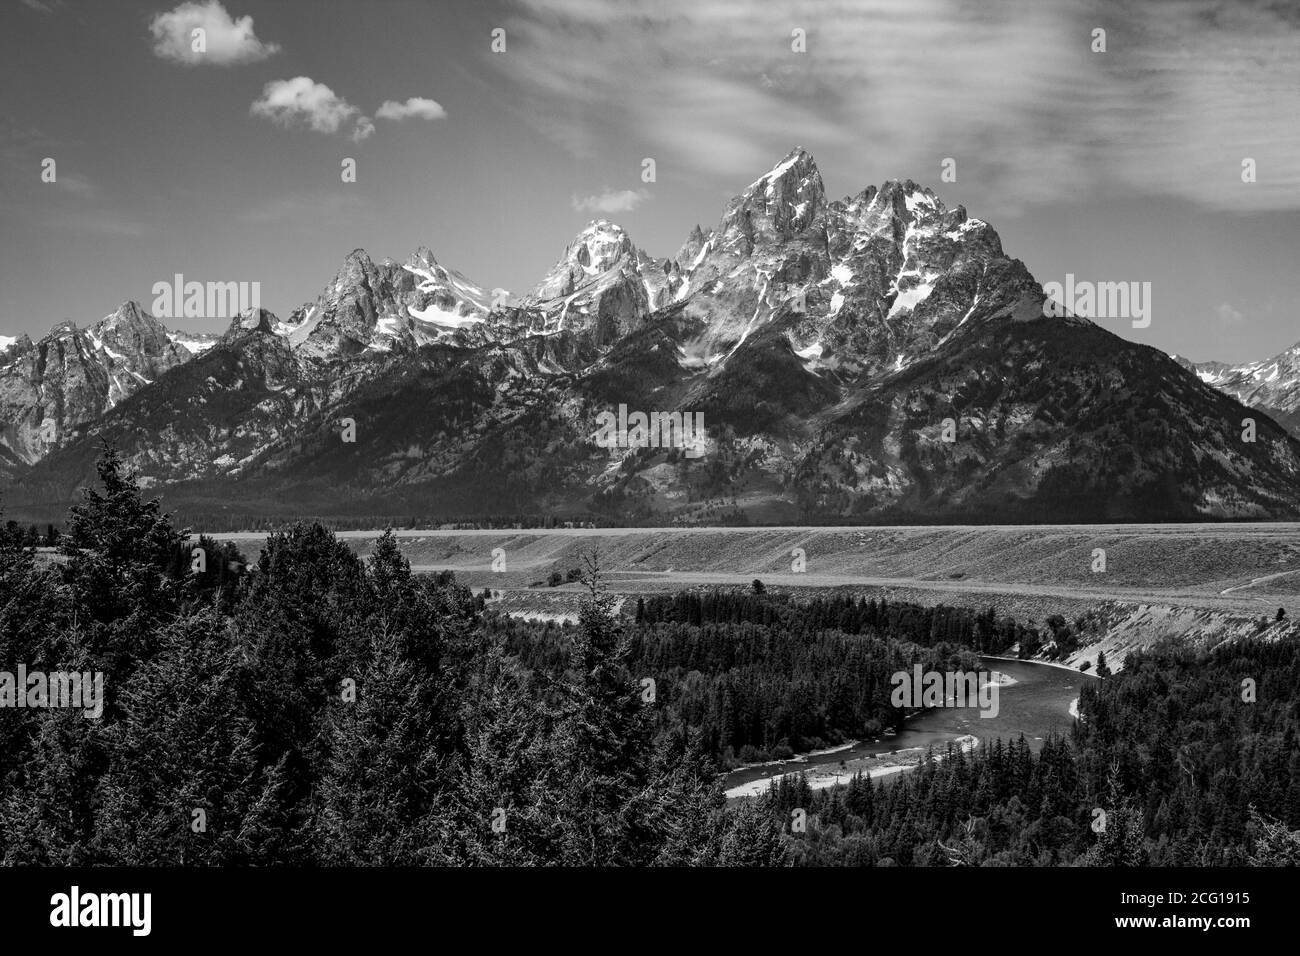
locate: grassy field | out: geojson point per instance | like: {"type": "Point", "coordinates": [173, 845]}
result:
{"type": "Point", "coordinates": [1201, 582]}
{"type": "Point", "coordinates": [1248, 568]}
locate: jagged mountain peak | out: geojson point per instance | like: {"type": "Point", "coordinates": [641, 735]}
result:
{"type": "Point", "coordinates": [259, 320]}
{"type": "Point", "coordinates": [688, 256]}
{"type": "Point", "coordinates": [356, 266]}
{"type": "Point", "coordinates": [863, 285]}
{"type": "Point", "coordinates": [910, 199]}
{"type": "Point", "coordinates": [797, 167]}
{"type": "Point", "coordinates": [600, 246]}
{"type": "Point", "coordinates": [129, 320]}
{"type": "Point", "coordinates": [19, 343]}
{"type": "Point", "coordinates": [596, 288]}
{"type": "Point", "coordinates": [74, 375]}
{"type": "Point", "coordinates": [422, 256]}
{"type": "Point", "coordinates": [781, 203]}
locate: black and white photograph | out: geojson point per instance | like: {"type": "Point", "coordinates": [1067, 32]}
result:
{"type": "Point", "coordinates": [556, 446]}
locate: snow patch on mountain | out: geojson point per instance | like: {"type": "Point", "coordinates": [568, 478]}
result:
{"type": "Point", "coordinates": [444, 318]}
{"type": "Point", "coordinates": [910, 298]}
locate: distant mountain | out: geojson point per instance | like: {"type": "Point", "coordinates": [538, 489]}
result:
{"type": "Point", "coordinates": [602, 289]}
{"type": "Point", "coordinates": [872, 358]}
{"type": "Point", "coordinates": [385, 307]}
{"type": "Point", "coordinates": [72, 376]}
{"type": "Point", "coordinates": [1272, 386]}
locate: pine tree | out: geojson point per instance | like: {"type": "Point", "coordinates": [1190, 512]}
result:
{"type": "Point", "coordinates": [1123, 840]}
{"type": "Point", "coordinates": [379, 798]}
{"type": "Point", "coordinates": [118, 548]}
{"type": "Point", "coordinates": [183, 786]}
{"type": "Point", "coordinates": [1275, 843]}
{"type": "Point", "coordinates": [753, 838]}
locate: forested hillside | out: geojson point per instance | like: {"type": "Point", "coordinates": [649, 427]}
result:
{"type": "Point", "coordinates": [1172, 766]}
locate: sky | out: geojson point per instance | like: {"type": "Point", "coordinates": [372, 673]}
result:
{"type": "Point", "coordinates": [1122, 164]}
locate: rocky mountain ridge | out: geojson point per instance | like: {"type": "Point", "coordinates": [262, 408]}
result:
{"type": "Point", "coordinates": [873, 358]}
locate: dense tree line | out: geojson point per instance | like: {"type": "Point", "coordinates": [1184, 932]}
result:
{"type": "Point", "coordinates": [226, 521]}
{"type": "Point", "coordinates": [759, 677]}
{"type": "Point", "coordinates": [321, 709]}
{"type": "Point", "coordinates": [314, 707]}
{"type": "Point", "coordinates": [978, 630]}
{"type": "Point", "coordinates": [30, 536]}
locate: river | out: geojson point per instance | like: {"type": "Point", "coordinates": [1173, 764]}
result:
{"type": "Point", "coordinates": [1037, 704]}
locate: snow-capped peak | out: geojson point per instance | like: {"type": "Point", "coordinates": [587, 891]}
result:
{"type": "Point", "coordinates": [798, 159]}
{"type": "Point", "coordinates": [599, 247]}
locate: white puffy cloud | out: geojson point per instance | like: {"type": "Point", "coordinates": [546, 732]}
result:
{"type": "Point", "coordinates": [303, 100]}
{"type": "Point", "coordinates": [226, 41]}
{"type": "Point", "coordinates": [611, 201]}
{"type": "Point", "coordinates": [416, 107]}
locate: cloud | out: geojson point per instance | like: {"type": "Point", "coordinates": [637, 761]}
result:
{"type": "Point", "coordinates": [303, 100]}
{"type": "Point", "coordinates": [610, 201]}
{"type": "Point", "coordinates": [95, 223]}
{"type": "Point", "coordinates": [416, 107]}
{"type": "Point", "coordinates": [1012, 90]}
{"type": "Point", "coordinates": [364, 129]}
{"type": "Point", "coordinates": [41, 7]}
{"type": "Point", "coordinates": [75, 183]}
{"type": "Point", "coordinates": [1228, 315]}
{"type": "Point", "coordinates": [227, 41]}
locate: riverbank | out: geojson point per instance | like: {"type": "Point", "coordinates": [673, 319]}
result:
{"type": "Point", "coordinates": [1035, 700]}
{"type": "Point", "coordinates": [823, 776]}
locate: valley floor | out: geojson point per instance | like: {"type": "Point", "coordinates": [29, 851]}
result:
{"type": "Point", "coordinates": [1209, 581]}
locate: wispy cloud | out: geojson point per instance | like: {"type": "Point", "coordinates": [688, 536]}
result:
{"type": "Point", "coordinates": [95, 222]}
{"type": "Point", "coordinates": [1228, 315]}
{"type": "Point", "coordinates": [1012, 90]}
{"type": "Point", "coordinates": [305, 207]}
{"type": "Point", "coordinates": [611, 201]}
{"type": "Point", "coordinates": [225, 40]}
{"type": "Point", "coordinates": [23, 154]}
{"type": "Point", "coordinates": [75, 183]}
{"type": "Point", "coordinates": [364, 129]}
{"type": "Point", "coordinates": [417, 107]}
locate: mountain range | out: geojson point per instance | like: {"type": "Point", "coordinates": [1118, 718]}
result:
{"type": "Point", "coordinates": [1271, 386]}
{"type": "Point", "coordinates": [875, 358]}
